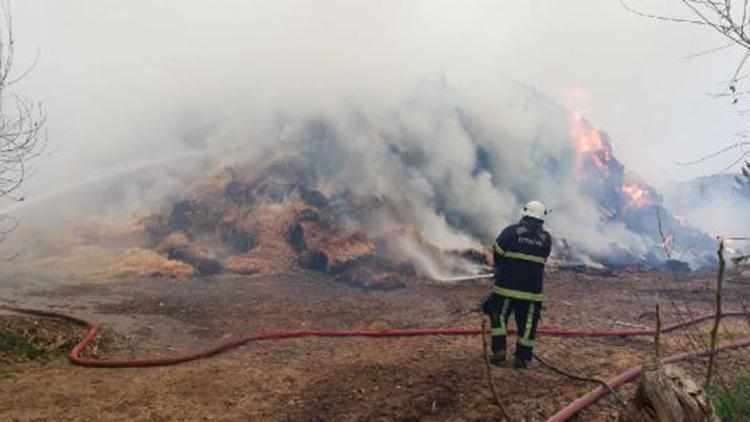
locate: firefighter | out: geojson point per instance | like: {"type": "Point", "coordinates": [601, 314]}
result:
{"type": "Point", "coordinates": [520, 253]}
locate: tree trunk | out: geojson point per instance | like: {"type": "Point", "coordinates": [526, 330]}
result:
{"type": "Point", "coordinates": [666, 394]}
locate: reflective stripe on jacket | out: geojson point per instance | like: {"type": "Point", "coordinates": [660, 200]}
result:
{"type": "Point", "coordinates": [520, 253]}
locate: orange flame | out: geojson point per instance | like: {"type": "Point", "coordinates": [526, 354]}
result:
{"type": "Point", "coordinates": [637, 196]}
{"type": "Point", "coordinates": [589, 144]}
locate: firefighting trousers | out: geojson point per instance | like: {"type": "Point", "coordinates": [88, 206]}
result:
{"type": "Point", "coordinates": [526, 314]}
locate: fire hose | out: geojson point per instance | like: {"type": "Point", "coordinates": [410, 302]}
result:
{"type": "Point", "coordinates": [592, 396]}
{"type": "Point", "coordinates": [75, 353]}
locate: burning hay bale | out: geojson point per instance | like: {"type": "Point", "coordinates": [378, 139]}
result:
{"type": "Point", "coordinates": [239, 193]}
{"type": "Point", "coordinates": [200, 211]}
{"type": "Point", "coordinates": [242, 264]}
{"type": "Point", "coordinates": [193, 217]}
{"type": "Point", "coordinates": [348, 249]}
{"type": "Point", "coordinates": [239, 231]}
{"type": "Point", "coordinates": [274, 219]}
{"type": "Point", "coordinates": [172, 241]}
{"type": "Point", "coordinates": [273, 254]}
{"type": "Point", "coordinates": [296, 238]}
{"type": "Point", "coordinates": [209, 219]}
{"type": "Point", "coordinates": [373, 272]}
{"type": "Point", "coordinates": [323, 244]}
{"type": "Point", "coordinates": [340, 250]}
{"type": "Point", "coordinates": [177, 247]}
{"type": "Point", "coordinates": [314, 260]}
{"type": "Point", "coordinates": [313, 197]}
{"type": "Point", "coordinates": [138, 262]}
{"type": "Point", "coordinates": [202, 263]}
{"type": "Point", "coordinates": [333, 194]}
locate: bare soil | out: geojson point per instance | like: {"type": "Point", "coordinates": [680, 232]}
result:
{"type": "Point", "coordinates": [424, 378]}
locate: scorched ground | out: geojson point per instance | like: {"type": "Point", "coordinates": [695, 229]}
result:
{"type": "Point", "coordinates": [426, 378]}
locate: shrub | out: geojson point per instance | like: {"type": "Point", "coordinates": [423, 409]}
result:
{"type": "Point", "coordinates": [734, 403]}
{"type": "Point", "coordinates": [17, 344]}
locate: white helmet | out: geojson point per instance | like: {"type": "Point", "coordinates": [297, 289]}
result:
{"type": "Point", "coordinates": [535, 209]}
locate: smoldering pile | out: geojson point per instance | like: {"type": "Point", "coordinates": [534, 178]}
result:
{"type": "Point", "coordinates": [369, 194]}
{"type": "Point", "coordinates": [269, 219]}
{"type": "Point", "coordinates": [623, 199]}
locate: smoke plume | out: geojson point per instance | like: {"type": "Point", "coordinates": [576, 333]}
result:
{"type": "Point", "coordinates": [438, 112]}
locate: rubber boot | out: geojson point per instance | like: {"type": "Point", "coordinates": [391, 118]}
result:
{"type": "Point", "coordinates": [520, 363]}
{"type": "Point", "coordinates": [498, 358]}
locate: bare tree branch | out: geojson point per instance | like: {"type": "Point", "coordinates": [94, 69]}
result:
{"type": "Point", "coordinates": [22, 122]}
{"type": "Point", "coordinates": [717, 319]}
{"type": "Point", "coordinates": [627, 7]}
{"type": "Point", "coordinates": [730, 21]}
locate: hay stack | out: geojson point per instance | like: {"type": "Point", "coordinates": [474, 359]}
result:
{"type": "Point", "coordinates": [138, 262]}
{"type": "Point", "coordinates": [272, 254]}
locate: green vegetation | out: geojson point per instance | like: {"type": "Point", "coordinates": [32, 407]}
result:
{"type": "Point", "coordinates": [17, 344]}
{"type": "Point", "coordinates": [734, 404]}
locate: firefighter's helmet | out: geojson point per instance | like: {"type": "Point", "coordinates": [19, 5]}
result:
{"type": "Point", "coordinates": [535, 209]}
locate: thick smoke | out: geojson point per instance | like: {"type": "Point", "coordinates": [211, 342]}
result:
{"type": "Point", "coordinates": [457, 173]}
{"type": "Point", "coordinates": [453, 165]}
{"type": "Point", "coordinates": [715, 204]}
{"type": "Point", "coordinates": [417, 103]}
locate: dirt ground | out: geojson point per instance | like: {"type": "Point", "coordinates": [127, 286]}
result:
{"type": "Point", "coordinates": [310, 379]}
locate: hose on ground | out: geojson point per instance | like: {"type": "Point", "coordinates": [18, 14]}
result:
{"type": "Point", "coordinates": [93, 330]}
{"type": "Point", "coordinates": [545, 363]}
{"type": "Point", "coordinates": [75, 354]}
{"type": "Point", "coordinates": [592, 396]}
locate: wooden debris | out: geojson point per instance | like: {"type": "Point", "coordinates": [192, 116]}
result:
{"type": "Point", "coordinates": [666, 394]}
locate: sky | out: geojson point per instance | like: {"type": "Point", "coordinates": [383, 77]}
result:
{"type": "Point", "coordinates": [119, 80]}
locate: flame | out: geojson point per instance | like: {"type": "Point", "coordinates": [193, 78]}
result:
{"type": "Point", "coordinates": [636, 195]}
{"type": "Point", "coordinates": [589, 144]}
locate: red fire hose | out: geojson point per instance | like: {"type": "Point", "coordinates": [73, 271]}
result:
{"type": "Point", "coordinates": [599, 392]}
{"type": "Point", "coordinates": [574, 407]}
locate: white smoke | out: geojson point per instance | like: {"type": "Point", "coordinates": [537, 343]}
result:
{"type": "Point", "coordinates": [456, 164]}
{"type": "Point", "coordinates": [421, 100]}
{"type": "Point", "coordinates": [715, 204]}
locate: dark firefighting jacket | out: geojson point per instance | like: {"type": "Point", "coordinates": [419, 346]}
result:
{"type": "Point", "coordinates": [520, 253]}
